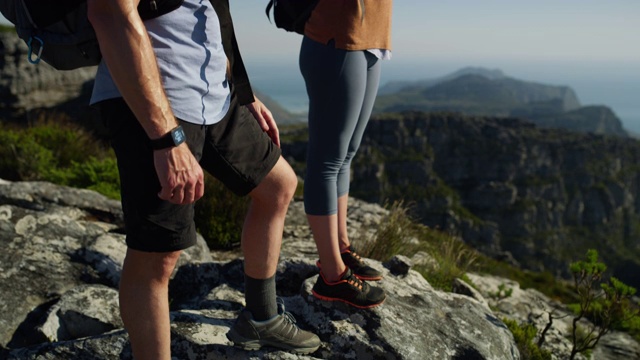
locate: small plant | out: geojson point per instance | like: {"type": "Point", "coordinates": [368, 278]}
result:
{"type": "Point", "coordinates": [523, 334]}
{"type": "Point", "coordinates": [399, 234]}
{"type": "Point", "coordinates": [454, 259]}
{"type": "Point", "coordinates": [392, 236]}
{"type": "Point", "coordinates": [502, 293]}
{"type": "Point", "coordinates": [606, 303]}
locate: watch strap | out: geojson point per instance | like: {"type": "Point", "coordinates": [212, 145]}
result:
{"type": "Point", "coordinates": [173, 138]}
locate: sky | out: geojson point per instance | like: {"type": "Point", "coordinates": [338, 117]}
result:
{"type": "Point", "coordinates": [590, 45]}
{"type": "Point", "coordinates": [593, 31]}
{"type": "Point", "coordinates": [587, 34]}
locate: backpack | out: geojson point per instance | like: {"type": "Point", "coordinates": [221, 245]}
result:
{"type": "Point", "coordinates": [291, 15]}
{"type": "Point", "coordinates": [59, 32]}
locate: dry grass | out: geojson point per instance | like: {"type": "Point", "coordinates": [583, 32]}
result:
{"type": "Point", "coordinates": [399, 234]}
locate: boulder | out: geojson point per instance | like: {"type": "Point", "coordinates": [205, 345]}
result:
{"type": "Point", "coordinates": [63, 252]}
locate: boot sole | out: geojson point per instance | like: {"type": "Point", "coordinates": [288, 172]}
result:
{"type": "Point", "coordinates": [253, 345]}
{"type": "Point", "coordinates": [368, 278]}
{"type": "Point", "coordinates": [326, 298]}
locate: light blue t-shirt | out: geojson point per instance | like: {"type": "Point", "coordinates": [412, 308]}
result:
{"type": "Point", "coordinates": [192, 63]}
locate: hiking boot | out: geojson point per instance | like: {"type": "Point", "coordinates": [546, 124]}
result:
{"type": "Point", "coordinates": [361, 270]}
{"type": "Point", "coordinates": [350, 290]}
{"type": "Point", "coordinates": [280, 332]}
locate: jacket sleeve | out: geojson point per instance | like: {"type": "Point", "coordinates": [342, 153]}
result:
{"type": "Point", "coordinates": [239, 77]}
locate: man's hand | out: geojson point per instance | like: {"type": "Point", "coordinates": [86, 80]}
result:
{"type": "Point", "coordinates": [265, 119]}
{"type": "Point", "coordinates": [180, 175]}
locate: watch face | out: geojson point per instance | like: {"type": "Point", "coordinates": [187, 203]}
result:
{"type": "Point", "coordinates": [178, 136]}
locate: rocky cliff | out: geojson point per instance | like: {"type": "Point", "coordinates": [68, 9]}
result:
{"type": "Point", "coordinates": [541, 195]}
{"type": "Point", "coordinates": [26, 89]}
{"type": "Point", "coordinates": [63, 250]}
{"type": "Point", "coordinates": [536, 197]}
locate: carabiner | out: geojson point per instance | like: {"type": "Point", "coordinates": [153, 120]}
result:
{"type": "Point", "coordinates": [39, 53]}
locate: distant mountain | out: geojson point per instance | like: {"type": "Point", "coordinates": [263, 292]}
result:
{"type": "Point", "coordinates": [280, 114]}
{"type": "Point", "coordinates": [597, 119]}
{"type": "Point", "coordinates": [395, 86]}
{"type": "Point", "coordinates": [477, 91]}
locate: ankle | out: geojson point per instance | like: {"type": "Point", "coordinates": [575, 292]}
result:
{"type": "Point", "coordinates": [344, 248]}
{"type": "Point", "coordinates": [334, 276]}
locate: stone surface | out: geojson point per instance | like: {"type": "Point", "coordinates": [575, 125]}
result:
{"type": "Point", "coordinates": [25, 88]}
{"type": "Point", "coordinates": [531, 306]}
{"type": "Point", "coordinates": [60, 271]}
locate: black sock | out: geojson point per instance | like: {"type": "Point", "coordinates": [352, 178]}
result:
{"type": "Point", "coordinates": [260, 296]}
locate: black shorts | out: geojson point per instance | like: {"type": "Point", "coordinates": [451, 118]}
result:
{"type": "Point", "coordinates": [235, 150]}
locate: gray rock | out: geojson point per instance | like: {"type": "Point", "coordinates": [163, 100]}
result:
{"type": "Point", "coordinates": [532, 307]}
{"type": "Point", "coordinates": [25, 87]}
{"type": "Point", "coordinates": [399, 265]}
{"type": "Point", "coordinates": [56, 253]}
{"type": "Point", "coordinates": [463, 288]}
{"type": "Point", "coordinates": [86, 310]}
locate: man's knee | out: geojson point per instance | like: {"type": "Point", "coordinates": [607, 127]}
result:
{"type": "Point", "coordinates": [152, 266]}
{"type": "Point", "coordinates": [278, 186]}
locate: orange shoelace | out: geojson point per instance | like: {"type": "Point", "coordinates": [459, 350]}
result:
{"type": "Point", "coordinates": [355, 282]}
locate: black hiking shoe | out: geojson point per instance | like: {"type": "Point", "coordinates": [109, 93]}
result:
{"type": "Point", "coordinates": [361, 270]}
{"type": "Point", "coordinates": [280, 332]}
{"type": "Point", "coordinates": [350, 290]}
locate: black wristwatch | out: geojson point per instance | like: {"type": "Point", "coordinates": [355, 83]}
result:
{"type": "Point", "coordinates": [173, 138]}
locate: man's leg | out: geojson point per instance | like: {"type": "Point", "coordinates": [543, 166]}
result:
{"type": "Point", "coordinates": [156, 232]}
{"type": "Point", "coordinates": [263, 226]}
{"type": "Point", "coordinates": [262, 237]}
{"type": "Point", "coordinates": [144, 302]}
{"type": "Point", "coordinates": [243, 157]}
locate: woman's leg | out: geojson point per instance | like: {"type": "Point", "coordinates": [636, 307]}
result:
{"type": "Point", "coordinates": [335, 81]}
{"type": "Point", "coordinates": [371, 91]}
{"type": "Point", "coordinates": [336, 84]}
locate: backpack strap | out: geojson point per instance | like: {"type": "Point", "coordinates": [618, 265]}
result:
{"type": "Point", "coordinates": [240, 83]}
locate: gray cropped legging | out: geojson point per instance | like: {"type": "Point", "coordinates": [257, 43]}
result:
{"type": "Point", "coordinates": [342, 86]}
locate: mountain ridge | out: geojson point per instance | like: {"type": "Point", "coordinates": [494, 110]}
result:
{"type": "Point", "coordinates": [479, 91]}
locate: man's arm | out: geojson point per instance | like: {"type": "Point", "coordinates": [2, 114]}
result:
{"type": "Point", "coordinates": [128, 54]}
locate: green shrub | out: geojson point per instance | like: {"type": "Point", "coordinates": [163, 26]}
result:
{"type": "Point", "coordinates": [94, 174]}
{"type": "Point", "coordinates": [60, 152]}
{"type": "Point", "coordinates": [607, 303]}
{"type": "Point", "coordinates": [219, 215]}
{"type": "Point", "coordinates": [524, 335]}
{"type": "Point", "coordinates": [544, 282]}
{"type": "Point", "coordinates": [22, 157]}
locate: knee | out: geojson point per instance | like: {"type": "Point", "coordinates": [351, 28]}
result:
{"type": "Point", "coordinates": [285, 189]}
{"type": "Point", "coordinates": [154, 267]}
{"type": "Point", "coordinates": [278, 188]}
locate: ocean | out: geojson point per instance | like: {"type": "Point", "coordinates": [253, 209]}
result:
{"type": "Point", "coordinates": [617, 87]}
